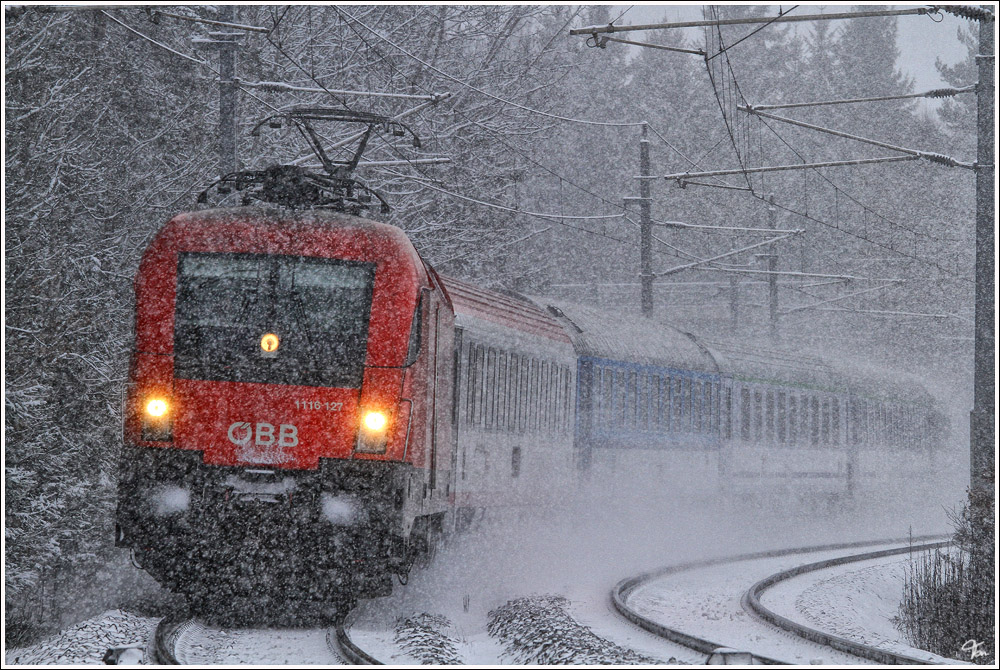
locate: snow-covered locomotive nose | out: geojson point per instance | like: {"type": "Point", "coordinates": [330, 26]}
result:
{"type": "Point", "coordinates": [284, 395]}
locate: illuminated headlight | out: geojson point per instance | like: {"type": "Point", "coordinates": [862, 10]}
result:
{"type": "Point", "coordinates": [157, 425]}
{"type": "Point", "coordinates": [170, 500]}
{"type": "Point", "coordinates": [373, 433]}
{"type": "Point", "coordinates": [375, 421]}
{"type": "Point", "coordinates": [342, 510]}
{"type": "Point", "coordinates": [156, 407]}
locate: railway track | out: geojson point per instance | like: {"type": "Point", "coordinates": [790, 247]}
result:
{"type": "Point", "coordinates": [751, 603]}
{"type": "Point", "coordinates": [181, 639]}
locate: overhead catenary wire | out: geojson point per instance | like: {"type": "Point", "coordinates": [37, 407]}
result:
{"type": "Point", "coordinates": [499, 136]}
{"type": "Point", "coordinates": [221, 24]}
{"type": "Point", "coordinates": [513, 210]}
{"type": "Point", "coordinates": [551, 217]}
{"type": "Point", "coordinates": [729, 123]}
{"type": "Point", "coordinates": [430, 66]}
{"type": "Point", "coordinates": [926, 155]}
{"type": "Point", "coordinates": [590, 30]}
{"type": "Point", "coordinates": [778, 135]}
{"type": "Point", "coordinates": [753, 32]}
{"type": "Point", "coordinates": [424, 180]}
{"type": "Point", "coordinates": [276, 86]}
{"type": "Point", "coordinates": [838, 190]}
{"type": "Point", "coordinates": [876, 243]}
{"type": "Point", "coordinates": [733, 252]}
{"type": "Point", "coordinates": [933, 93]}
{"type": "Point", "coordinates": [159, 44]}
{"type": "Point", "coordinates": [838, 298]}
{"type": "Point", "coordinates": [433, 98]}
{"type": "Point", "coordinates": [664, 47]}
{"type": "Point", "coordinates": [683, 176]}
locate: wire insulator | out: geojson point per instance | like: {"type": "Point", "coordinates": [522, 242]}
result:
{"type": "Point", "coordinates": [968, 12]}
{"type": "Point", "coordinates": [939, 158]}
{"type": "Point", "coordinates": [943, 92]}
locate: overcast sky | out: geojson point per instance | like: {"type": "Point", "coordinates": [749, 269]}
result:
{"type": "Point", "coordinates": [921, 40]}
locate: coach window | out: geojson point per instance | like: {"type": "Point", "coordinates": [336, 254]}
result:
{"type": "Point", "coordinates": [522, 394]}
{"type": "Point", "coordinates": [504, 395]}
{"type": "Point", "coordinates": [528, 371]}
{"type": "Point", "coordinates": [515, 462]}
{"type": "Point", "coordinates": [630, 399]}
{"type": "Point", "coordinates": [543, 392]}
{"type": "Point", "coordinates": [769, 416]}
{"type": "Point", "coordinates": [711, 410]}
{"type": "Point", "coordinates": [702, 396]}
{"type": "Point", "coordinates": [835, 420]}
{"type": "Point", "coordinates": [567, 415]}
{"type": "Point", "coordinates": [654, 403]}
{"type": "Point", "coordinates": [852, 421]}
{"type": "Point", "coordinates": [869, 434]}
{"type": "Point", "coordinates": [780, 424]}
{"type": "Point", "coordinates": [814, 419]}
{"type": "Point", "coordinates": [618, 401]}
{"type": "Point", "coordinates": [666, 395]}
{"type": "Point", "coordinates": [695, 405]}
{"type": "Point", "coordinates": [537, 389]}
{"type": "Point", "coordinates": [490, 391]}
{"type": "Point", "coordinates": [793, 418]}
{"type": "Point", "coordinates": [641, 398]}
{"type": "Point", "coordinates": [664, 409]}
{"type": "Point", "coordinates": [557, 385]}
{"type": "Point", "coordinates": [568, 399]}
{"type": "Point", "coordinates": [477, 416]}
{"type": "Point", "coordinates": [825, 420]}
{"type": "Point", "coordinates": [470, 391]}
{"type": "Point", "coordinates": [512, 393]}
{"type": "Point", "coordinates": [686, 415]}
{"type": "Point", "coordinates": [722, 409]}
{"type": "Point", "coordinates": [726, 408]}
{"type": "Point", "coordinates": [605, 397]}
{"type": "Point", "coordinates": [745, 413]}
{"type": "Point", "coordinates": [758, 415]}
{"type": "Point", "coordinates": [875, 412]}
{"type": "Point", "coordinates": [554, 398]}
{"type": "Point", "coordinates": [528, 368]}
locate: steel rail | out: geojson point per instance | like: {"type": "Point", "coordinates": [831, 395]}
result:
{"type": "Point", "coordinates": [168, 630]}
{"type": "Point", "coordinates": [339, 641]}
{"type": "Point", "coordinates": [751, 603]}
{"type": "Point", "coordinates": [624, 588]}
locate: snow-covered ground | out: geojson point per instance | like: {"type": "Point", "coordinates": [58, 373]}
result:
{"type": "Point", "coordinates": [856, 601]}
{"type": "Point", "coordinates": [201, 644]}
{"type": "Point", "coordinates": [86, 642]}
{"type": "Point", "coordinates": [706, 602]}
{"type": "Point", "coordinates": [528, 571]}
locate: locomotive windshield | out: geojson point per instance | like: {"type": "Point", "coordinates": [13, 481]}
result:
{"type": "Point", "coordinates": [272, 319]}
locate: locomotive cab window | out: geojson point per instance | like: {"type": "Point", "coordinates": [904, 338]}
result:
{"type": "Point", "coordinates": [315, 311]}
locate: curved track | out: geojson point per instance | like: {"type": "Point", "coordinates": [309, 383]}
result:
{"type": "Point", "coordinates": [751, 602]}
{"type": "Point", "coordinates": [622, 590]}
{"type": "Point", "coordinates": [163, 649]}
{"type": "Point", "coordinates": [170, 642]}
{"type": "Point", "coordinates": [337, 638]}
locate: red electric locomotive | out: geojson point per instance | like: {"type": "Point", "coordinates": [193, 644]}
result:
{"type": "Point", "coordinates": [287, 428]}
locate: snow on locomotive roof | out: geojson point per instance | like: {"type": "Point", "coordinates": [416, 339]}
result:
{"type": "Point", "coordinates": [628, 336]}
{"type": "Point", "coordinates": [282, 217]}
{"type": "Point", "coordinates": [506, 310]}
{"type": "Point", "coordinates": [787, 366]}
{"type": "Point", "coordinates": [631, 337]}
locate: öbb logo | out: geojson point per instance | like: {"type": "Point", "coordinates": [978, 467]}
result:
{"type": "Point", "coordinates": [241, 433]}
